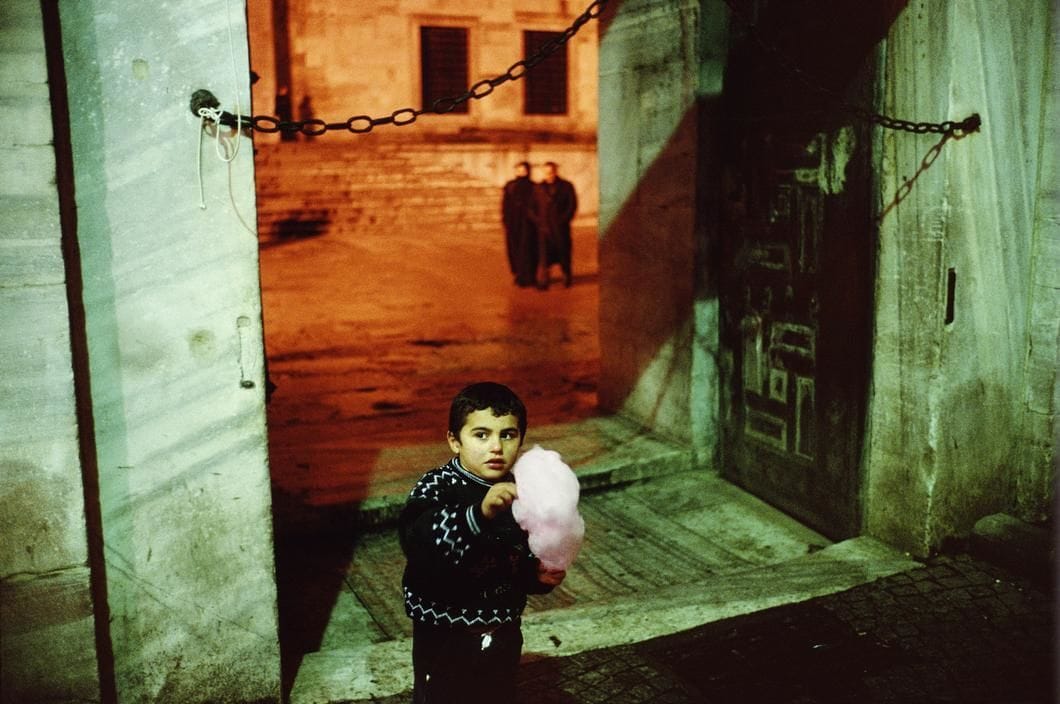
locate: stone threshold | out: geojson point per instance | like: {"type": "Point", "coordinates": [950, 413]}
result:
{"type": "Point", "coordinates": [603, 451]}
{"type": "Point", "coordinates": [471, 136]}
{"type": "Point", "coordinates": [384, 669]}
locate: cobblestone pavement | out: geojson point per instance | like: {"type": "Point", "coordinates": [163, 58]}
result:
{"type": "Point", "coordinates": [957, 630]}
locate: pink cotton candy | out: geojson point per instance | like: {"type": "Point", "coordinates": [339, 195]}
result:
{"type": "Point", "coordinates": [547, 507]}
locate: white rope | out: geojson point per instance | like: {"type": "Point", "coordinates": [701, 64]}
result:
{"type": "Point", "coordinates": [198, 161]}
{"type": "Point", "coordinates": [232, 198]}
{"type": "Point", "coordinates": [226, 149]}
{"type": "Point", "coordinates": [235, 90]}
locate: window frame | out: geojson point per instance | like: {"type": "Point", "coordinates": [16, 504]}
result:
{"type": "Point", "coordinates": [536, 76]}
{"type": "Point", "coordinates": [423, 27]}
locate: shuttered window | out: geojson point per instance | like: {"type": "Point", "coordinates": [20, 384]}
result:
{"type": "Point", "coordinates": [545, 87]}
{"type": "Point", "coordinates": [443, 62]}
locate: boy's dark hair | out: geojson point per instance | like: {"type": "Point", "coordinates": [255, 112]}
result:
{"type": "Point", "coordinates": [483, 395]}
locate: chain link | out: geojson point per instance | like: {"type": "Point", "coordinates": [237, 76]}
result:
{"type": "Point", "coordinates": [950, 127]}
{"type": "Point", "coordinates": [362, 124]}
{"type": "Point", "coordinates": [958, 129]}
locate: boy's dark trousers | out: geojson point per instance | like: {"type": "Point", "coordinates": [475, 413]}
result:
{"type": "Point", "coordinates": [452, 666]}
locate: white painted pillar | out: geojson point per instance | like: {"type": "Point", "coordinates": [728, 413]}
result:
{"type": "Point", "coordinates": [172, 303]}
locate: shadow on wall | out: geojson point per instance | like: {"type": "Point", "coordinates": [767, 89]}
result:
{"type": "Point", "coordinates": [658, 293]}
{"type": "Point", "coordinates": [310, 575]}
{"type": "Point", "coordinates": [652, 270]}
{"type": "Point", "coordinates": [300, 226]}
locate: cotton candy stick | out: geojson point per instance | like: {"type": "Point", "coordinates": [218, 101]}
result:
{"type": "Point", "coordinates": [547, 507]}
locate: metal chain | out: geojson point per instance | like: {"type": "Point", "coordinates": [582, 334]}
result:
{"type": "Point", "coordinates": [949, 127]}
{"type": "Point", "coordinates": [362, 124]}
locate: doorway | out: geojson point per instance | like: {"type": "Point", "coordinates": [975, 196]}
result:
{"type": "Point", "coordinates": [798, 256]}
{"type": "Point", "coordinates": [385, 282]}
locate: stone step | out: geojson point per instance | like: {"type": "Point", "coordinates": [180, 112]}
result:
{"type": "Point", "coordinates": [357, 173]}
{"type": "Point", "coordinates": [381, 210]}
{"type": "Point", "coordinates": [399, 196]}
{"type": "Point", "coordinates": [340, 164]}
{"type": "Point", "coordinates": [404, 194]}
{"type": "Point", "coordinates": [382, 669]}
{"type": "Point", "coordinates": [417, 196]}
{"type": "Point", "coordinates": [317, 212]}
{"type": "Point", "coordinates": [672, 529]}
{"type": "Point", "coordinates": [318, 223]}
{"type": "Point", "coordinates": [311, 189]}
{"type": "Point", "coordinates": [604, 452]}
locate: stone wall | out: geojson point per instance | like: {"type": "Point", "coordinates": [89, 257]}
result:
{"type": "Point", "coordinates": [47, 642]}
{"type": "Point", "coordinates": [966, 319]}
{"type": "Point", "coordinates": [661, 67]}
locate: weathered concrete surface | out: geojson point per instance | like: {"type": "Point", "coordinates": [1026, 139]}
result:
{"type": "Point", "coordinates": [47, 643]}
{"type": "Point", "coordinates": [1035, 482]}
{"type": "Point", "coordinates": [960, 409]}
{"type": "Point", "coordinates": [49, 647]}
{"type": "Point", "coordinates": [658, 320]}
{"type": "Point", "coordinates": [174, 332]}
{"type": "Point", "coordinates": [744, 557]}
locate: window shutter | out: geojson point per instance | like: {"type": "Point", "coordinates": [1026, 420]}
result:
{"type": "Point", "coordinates": [545, 90]}
{"type": "Point", "coordinates": [443, 62]}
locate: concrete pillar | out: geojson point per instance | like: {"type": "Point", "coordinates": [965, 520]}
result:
{"type": "Point", "coordinates": [47, 642]}
{"type": "Point", "coordinates": [661, 65]}
{"type": "Point", "coordinates": [966, 319]}
{"type": "Point", "coordinates": [173, 319]}
{"type": "Point", "coordinates": [1036, 478]}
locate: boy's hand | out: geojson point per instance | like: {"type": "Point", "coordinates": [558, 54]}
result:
{"type": "Point", "coordinates": [498, 498]}
{"type": "Point", "coordinates": [550, 577]}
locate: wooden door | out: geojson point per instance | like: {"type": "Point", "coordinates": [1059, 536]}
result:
{"type": "Point", "coordinates": [797, 258]}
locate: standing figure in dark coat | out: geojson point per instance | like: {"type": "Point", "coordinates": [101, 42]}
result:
{"type": "Point", "coordinates": [520, 233]}
{"type": "Point", "coordinates": [555, 203]}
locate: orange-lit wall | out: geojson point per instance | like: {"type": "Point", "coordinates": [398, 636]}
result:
{"type": "Point", "coordinates": [364, 58]}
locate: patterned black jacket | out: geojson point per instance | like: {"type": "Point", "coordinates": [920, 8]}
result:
{"type": "Point", "coordinates": [462, 569]}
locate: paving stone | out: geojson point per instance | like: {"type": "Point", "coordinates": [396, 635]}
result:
{"type": "Point", "coordinates": [879, 643]}
{"type": "Point", "coordinates": [775, 656]}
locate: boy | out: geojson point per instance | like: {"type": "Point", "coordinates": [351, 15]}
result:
{"type": "Point", "coordinates": [469, 565]}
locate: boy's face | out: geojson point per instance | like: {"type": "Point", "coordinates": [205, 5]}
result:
{"type": "Point", "coordinates": [488, 444]}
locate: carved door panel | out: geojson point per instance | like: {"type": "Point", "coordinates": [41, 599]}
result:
{"type": "Point", "coordinates": [797, 259]}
